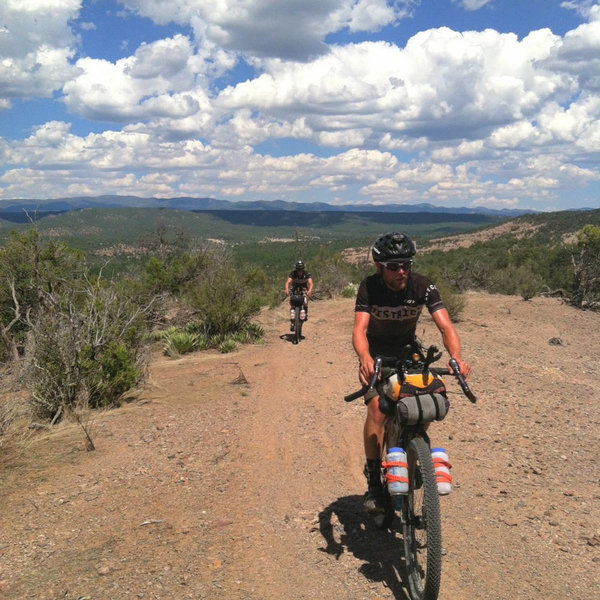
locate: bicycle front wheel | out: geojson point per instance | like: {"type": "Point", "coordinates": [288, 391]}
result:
{"type": "Point", "coordinates": [421, 524]}
{"type": "Point", "coordinates": [297, 326]}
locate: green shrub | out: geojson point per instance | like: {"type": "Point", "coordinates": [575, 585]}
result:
{"type": "Point", "coordinates": [527, 283]}
{"type": "Point", "coordinates": [86, 349]}
{"type": "Point", "coordinates": [160, 335]}
{"type": "Point", "coordinates": [182, 342]}
{"type": "Point", "coordinates": [191, 338]}
{"type": "Point", "coordinates": [227, 346]}
{"type": "Point", "coordinates": [330, 273]}
{"type": "Point", "coordinates": [108, 375]}
{"type": "Point", "coordinates": [53, 367]}
{"type": "Point", "coordinates": [349, 291]}
{"type": "Point", "coordinates": [586, 268]}
{"type": "Point", "coordinates": [175, 272]}
{"type": "Point", "coordinates": [254, 331]}
{"type": "Point", "coordinates": [247, 335]}
{"type": "Point", "coordinates": [32, 273]}
{"type": "Point", "coordinates": [194, 326]}
{"type": "Point", "coordinates": [522, 281]}
{"type": "Point", "coordinates": [223, 304]}
{"type": "Point", "coordinates": [504, 283]}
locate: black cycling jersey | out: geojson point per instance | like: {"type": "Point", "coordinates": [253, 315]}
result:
{"type": "Point", "coordinates": [299, 281]}
{"type": "Point", "coordinates": [394, 315]}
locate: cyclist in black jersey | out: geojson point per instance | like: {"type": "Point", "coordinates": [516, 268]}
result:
{"type": "Point", "coordinates": [388, 306]}
{"type": "Point", "coordinates": [299, 281]}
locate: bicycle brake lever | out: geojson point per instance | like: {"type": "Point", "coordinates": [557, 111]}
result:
{"type": "Point", "coordinates": [377, 369]}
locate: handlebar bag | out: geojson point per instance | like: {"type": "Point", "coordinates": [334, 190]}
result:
{"type": "Point", "coordinates": [298, 299]}
{"type": "Point", "coordinates": [420, 397]}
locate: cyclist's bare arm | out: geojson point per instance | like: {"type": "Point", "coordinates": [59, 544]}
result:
{"type": "Point", "coordinates": [310, 287]}
{"type": "Point", "coordinates": [361, 346]}
{"type": "Point", "coordinates": [450, 339]}
{"type": "Point", "coordinates": [287, 286]}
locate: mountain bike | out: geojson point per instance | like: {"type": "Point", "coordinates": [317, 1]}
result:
{"type": "Point", "coordinates": [416, 515]}
{"type": "Point", "coordinates": [298, 302]}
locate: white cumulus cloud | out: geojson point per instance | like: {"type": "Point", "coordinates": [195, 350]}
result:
{"type": "Point", "coordinates": [36, 46]}
{"type": "Point", "coordinates": [294, 29]}
{"type": "Point", "coordinates": [158, 80]}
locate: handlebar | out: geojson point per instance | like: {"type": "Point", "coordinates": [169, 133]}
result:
{"type": "Point", "coordinates": [454, 371]}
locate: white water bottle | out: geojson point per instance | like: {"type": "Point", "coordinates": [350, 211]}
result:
{"type": "Point", "coordinates": [292, 314]}
{"type": "Point", "coordinates": [396, 471]}
{"type": "Point", "coordinates": [302, 314]}
{"type": "Point", "coordinates": [442, 471]}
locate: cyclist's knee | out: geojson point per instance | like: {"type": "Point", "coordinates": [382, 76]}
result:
{"type": "Point", "coordinates": [373, 413]}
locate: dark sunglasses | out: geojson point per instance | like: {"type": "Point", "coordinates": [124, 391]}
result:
{"type": "Point", "coordinates": [396, 266]}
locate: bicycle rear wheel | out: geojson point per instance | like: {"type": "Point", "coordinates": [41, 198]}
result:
{"type": "Point", "coordinates": [421, 524]}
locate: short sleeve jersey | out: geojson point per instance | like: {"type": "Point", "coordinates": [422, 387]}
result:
{"type": "Point", "coordinates": [394, 315]}
{"type": "Point", "coordinates": [299, 282]}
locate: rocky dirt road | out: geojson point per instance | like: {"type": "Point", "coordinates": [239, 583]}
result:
{"type": "Point", "coordinates": [239, 476]}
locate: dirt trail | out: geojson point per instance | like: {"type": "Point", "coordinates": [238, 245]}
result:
{"type": "Point", "coordinates": [209, 487]}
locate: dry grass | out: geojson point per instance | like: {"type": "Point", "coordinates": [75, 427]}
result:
{"type": "Point", "coordinates": [16, 426]}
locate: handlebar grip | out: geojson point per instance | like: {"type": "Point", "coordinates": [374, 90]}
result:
{"type": "Point", "coordinates": [461, 380]}
{"type": "Point", "coordinates": [358, 394]}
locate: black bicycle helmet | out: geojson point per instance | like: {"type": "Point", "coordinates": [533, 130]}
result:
{"type": "Point", "coordinates": [299, 266]}
{"type": "Point", "coordinates": [393, 246]}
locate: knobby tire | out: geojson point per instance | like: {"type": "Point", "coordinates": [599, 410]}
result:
{"type": "Point", "coordinates": [422, 530]}
{"type": "Point", "coordinates": [297, 326]}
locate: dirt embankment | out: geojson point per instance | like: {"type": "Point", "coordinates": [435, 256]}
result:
{"type": "Point", "coordinates": [209, 487]}
{"type": "Point", "coordinates": [518, 229]}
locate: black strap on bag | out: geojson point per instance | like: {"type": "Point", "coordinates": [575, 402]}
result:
{"type": "Point", "coordinates": [437, 407]}
{"type": "Point", "coordinates": [420, 407]}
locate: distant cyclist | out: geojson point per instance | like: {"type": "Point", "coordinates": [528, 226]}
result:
{"type": "Point", "coordinates": [388, 306]}
{"type": "Point", "coordinates": [299, 281]}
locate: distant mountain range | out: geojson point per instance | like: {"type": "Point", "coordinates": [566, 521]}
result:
{"type": "Point", "coordinates": [8, 208]}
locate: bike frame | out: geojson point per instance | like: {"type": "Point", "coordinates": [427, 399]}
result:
{"type": "Point", "coordinates": [419, 510]}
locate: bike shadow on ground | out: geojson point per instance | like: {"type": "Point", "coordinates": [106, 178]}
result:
{"type": "Point", "coordinates": [345, 527]}
{"type": "Point", "coordinates": [289, 337]}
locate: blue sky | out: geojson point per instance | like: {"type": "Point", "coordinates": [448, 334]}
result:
{"type": "Point", "coordinates": [490, 103]}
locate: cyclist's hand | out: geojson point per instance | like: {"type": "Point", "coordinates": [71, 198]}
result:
{"type": "Point", "coordinates": [367, 368]}
{"type": "Point", "coordinates": [465, 368]}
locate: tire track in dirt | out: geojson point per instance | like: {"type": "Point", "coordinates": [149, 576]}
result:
{"type": "Point", "coordinates": [287, 441]}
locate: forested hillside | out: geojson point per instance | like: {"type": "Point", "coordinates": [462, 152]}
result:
{"type": "Point", "coordinates": [87, 291]}
{"type": "Point", "coordinates": [529, 255]}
